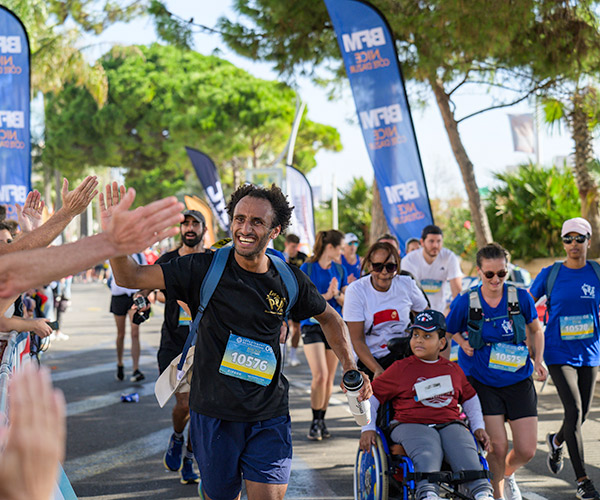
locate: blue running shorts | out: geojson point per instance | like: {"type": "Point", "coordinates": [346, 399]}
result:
{"type": "Point", "coordinates": [227, 451]}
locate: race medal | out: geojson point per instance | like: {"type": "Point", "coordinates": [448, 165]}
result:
{"type": "Point", "coordinates": [433, 387]}
{"type": "Point", "coordinates": [508, 357]}
{"type": "Point", "coordinates": [249, 360]}
{"type": "Point", "coordinates": [431, 286]}
{"type": "Point", "coordinates": [184, 318]}
{"type": "Point", "coordinates": [576, 327]}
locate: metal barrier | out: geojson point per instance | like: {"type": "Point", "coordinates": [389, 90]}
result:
{"type": "Point", "coordinates": [11, 360]}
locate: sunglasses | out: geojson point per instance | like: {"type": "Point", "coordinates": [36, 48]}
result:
{"type": "Point", "coordinates": [490, 274]}
{"type": "Point", "coordinates": [580, 238]}
{"type": "Point", "coordinates": [390, 267]}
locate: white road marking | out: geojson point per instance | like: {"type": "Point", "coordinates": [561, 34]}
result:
{"type": "Point", "coordinates": [91, 370]}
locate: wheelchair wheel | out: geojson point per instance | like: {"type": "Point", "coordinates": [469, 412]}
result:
{"type": "Point", "coordinates": [371, 473]}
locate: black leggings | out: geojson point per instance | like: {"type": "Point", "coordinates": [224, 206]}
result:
{"type": "Point", "coordinates": [575, 386]}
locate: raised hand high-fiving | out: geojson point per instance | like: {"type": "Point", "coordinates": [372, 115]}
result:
{"type": "Point", "coordinates": [30, 215]}
{"type": "Point", "coordinates": [76, 201]}
{"type": "Point", "coordinates": [114, 194]}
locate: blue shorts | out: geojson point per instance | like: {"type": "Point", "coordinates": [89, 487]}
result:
{"type": "Point", "coordinates": [226, 451]}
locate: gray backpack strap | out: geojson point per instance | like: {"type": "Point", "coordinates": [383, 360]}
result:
{"type": "Point", "coordinates": [595, 267]}
{"type": "Point", "coordinates": [475, 319]}
{"type": "Point", "coordinates": [514, 313]}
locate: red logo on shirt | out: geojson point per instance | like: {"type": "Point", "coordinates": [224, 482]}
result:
{"type": "Point", "coordinates": [383, 316]}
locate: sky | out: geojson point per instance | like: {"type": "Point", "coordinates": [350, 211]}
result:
{"type": "Point", "coordinates": [487, 137]}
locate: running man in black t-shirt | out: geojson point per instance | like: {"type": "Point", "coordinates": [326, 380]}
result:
{"type": "Point", "coordinates": [174, 331]}
{"type": "Point", "coordinates": [241, 427]}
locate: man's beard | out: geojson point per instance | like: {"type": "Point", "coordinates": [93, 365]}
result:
{"type": "Point", "coordinates": [193, 242]}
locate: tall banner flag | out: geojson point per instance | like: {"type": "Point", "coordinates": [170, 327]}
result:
{"type": "Point", "coordinates": [15, 141]}
{"type": "Point", "coordinates": [523, 135]}
{"type": "Point", "coordinates": [300, 194]}
{"type": "Point", "coordinates": [369, 54]}
{"type": "Point", "coordinates": [206, 170]}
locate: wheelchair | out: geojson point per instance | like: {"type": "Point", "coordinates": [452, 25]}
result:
{"type": "Point", "coordinates": [386, 473]}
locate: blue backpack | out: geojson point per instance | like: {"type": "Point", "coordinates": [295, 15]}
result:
{"type": "Point", "coordinates": [211, 280]}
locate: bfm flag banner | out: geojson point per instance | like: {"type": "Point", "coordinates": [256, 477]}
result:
{"type": "Point", "coordinates": [371, 62]}
{"type": "Point", "coordinates": [300, 195]}
{"type": "Point", "coordinates": [15, 143]}
{"type": "Point", "coordinates": [206, 170]}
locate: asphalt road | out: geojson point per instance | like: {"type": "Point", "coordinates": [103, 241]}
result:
{"type": "Point", "coordinates": [115, 449]}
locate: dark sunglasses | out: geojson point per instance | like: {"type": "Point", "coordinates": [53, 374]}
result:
{"type": "Point", "coordinates": [580, 238]}
{"type": "Point", "coordinates": [490, 274]}
{"type": "Point", "coordinates": [390, 267]}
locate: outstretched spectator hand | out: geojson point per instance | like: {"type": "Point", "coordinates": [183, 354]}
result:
{"type": "Point", "coordinates": [34, 443]}
{"type": "Point", "coordinates": [30, 215]}
{"type": "Point", "coordinates": [113, 194]}
{"type": "Point", "coordinates": [76, 201]}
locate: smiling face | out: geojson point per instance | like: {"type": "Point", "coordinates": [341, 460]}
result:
{"type": "Point", "coordinates": [251, 226]}
{"type": "Point", "coordinates": [575, 250]}
{"type": "Point", "coordinates": [494, 283]}
{"type": "Point", "coordinates": [382, 280]}
{"type": "Point", "coordinates": [426, 345]}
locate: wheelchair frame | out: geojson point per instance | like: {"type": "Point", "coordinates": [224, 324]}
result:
{"type": "Point", "coordinates": [379, 470]}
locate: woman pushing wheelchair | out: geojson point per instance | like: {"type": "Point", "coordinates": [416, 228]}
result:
{"type": "Point", "coordinates": [425, 391]}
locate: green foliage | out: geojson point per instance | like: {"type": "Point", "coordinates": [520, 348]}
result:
{"type": "Point", "coordinates": [454, 217]}
{"type": "Point", "coordinates": [161, 99]}
{"type": "Point", "coordinates": [527, 210]}
{"type": "Point", "coordinates": [354, 212]}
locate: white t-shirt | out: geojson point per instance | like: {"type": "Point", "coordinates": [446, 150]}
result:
{"type": "Point", "coordinates": [385, 314]}
{"type": "Point", "coordinates": [115, 289]}
{"type": "Point", "coordinates": [434, 277]}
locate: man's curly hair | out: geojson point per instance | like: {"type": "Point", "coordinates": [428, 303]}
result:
{"type": "Point", "coordinates": [274, 195]}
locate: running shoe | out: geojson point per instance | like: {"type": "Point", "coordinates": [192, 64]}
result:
{"type": "Point", "coordinates": [120, 372]}
{"type": "Point", "coordinates": [586, 490]}
{"type": "Point", "coordinates": [431, 495]}
{"type": "Point", "coordinates": [554, 461]}
{"type": "Point", "coordinates": [484, 495]}
{"type": "Point", "coordinates": [173, 456]}
{"type": "Point", "coordinates": [324, 431]}
{"type": "Point", "coordinates": [511, 488]}
{"type": "Point", "coordinates": [137, 376]}
{"type": "Point", "coordinates": [293, 359]}
{"type": "Point", "coordinates": [314, 433]}
{"type": "Point", "coordinates": [188, 475]}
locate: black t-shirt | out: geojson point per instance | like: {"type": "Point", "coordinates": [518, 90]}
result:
{"type": "Point", "coordinates": [298, 259]}
{"type": "Point", "coordinates": [245, 304]}
{"type": "Point", "coordinates": [172, 334]}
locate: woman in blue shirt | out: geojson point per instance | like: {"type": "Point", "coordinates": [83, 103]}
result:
{"type": "Point", "coordinates": [572, 345]}
{"type": "Point", "coordinates": [504, 335]}
{"type": "Point", "coordinates": [331, 280]}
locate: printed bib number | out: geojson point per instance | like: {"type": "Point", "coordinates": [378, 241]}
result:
{"type": "Point", "coordinates": [454, 352]}
{"type": "Point", "coordinates": [249, 360]}
{"type": "Point", "coordinates": [508, 357]}
{"type": "Point", "coordinates": [576, 327]}
{"type": "Point", "coordinates": [433, 387]}
{"type": "Point", "coordinates": [184, 318]}
{"type": "Point", "coordinates": [431, 286]}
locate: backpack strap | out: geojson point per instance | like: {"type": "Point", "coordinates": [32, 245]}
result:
{"type": "Point", "coordinates": [475, 319]}
{"type": "Point", "coordinates": [209, 284]}
{"type": "Point", "coordinates": [550, 280]}
{"type": "Point", "coordinates": [515, 314]}
{"type": "Point", "coordinates": [289, 281]}
{"type": "Point", "coordinates": [595, 267]}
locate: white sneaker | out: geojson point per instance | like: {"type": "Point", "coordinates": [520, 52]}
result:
{"type": "Point", "coordinates": [431, 495]}
{"type": "Point", "coordinates": [293, 359]}
{"type": "Point", "coordinates": [61, 336]}
{"type": "Point", "coordinates": [484, 495]}
{"type": "Point", "coordinates": [52, 336]}
{"type": "Point", "coordinates": [511, 488]}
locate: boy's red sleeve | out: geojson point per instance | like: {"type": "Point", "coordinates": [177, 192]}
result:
{"type": "Point", "coordinates": [387, 385]}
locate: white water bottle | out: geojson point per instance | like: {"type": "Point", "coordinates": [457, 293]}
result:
{"type": "Point", "coordinates": [361, 410]}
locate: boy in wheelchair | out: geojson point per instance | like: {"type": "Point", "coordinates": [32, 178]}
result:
{"type": "Point", "coordinates": [425, 390]}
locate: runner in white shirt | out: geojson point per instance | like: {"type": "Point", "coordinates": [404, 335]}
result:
{"type": "Point", "coordinates": [377, 308]}
{"type": "Point", "coordinates": [434, 267]}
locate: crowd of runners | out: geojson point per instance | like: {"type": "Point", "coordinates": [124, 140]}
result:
{"type": "Point", "coordinates": [240, 306]}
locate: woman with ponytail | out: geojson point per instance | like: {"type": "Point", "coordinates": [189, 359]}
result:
{"type": "Point", "coordinates": [331, 280]}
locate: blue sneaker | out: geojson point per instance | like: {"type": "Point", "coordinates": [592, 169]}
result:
{"type": "Point", "coordinates": [173, 456]}
{"type": "Point", "coordinates": [188, 476]}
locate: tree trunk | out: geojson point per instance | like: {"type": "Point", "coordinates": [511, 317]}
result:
{"type": "Point", "coordinates": [483, 233]}
{"type": "Point", "coordinates": [378, 223]}
{"type": "Point", "coordinates": [584, 154]}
